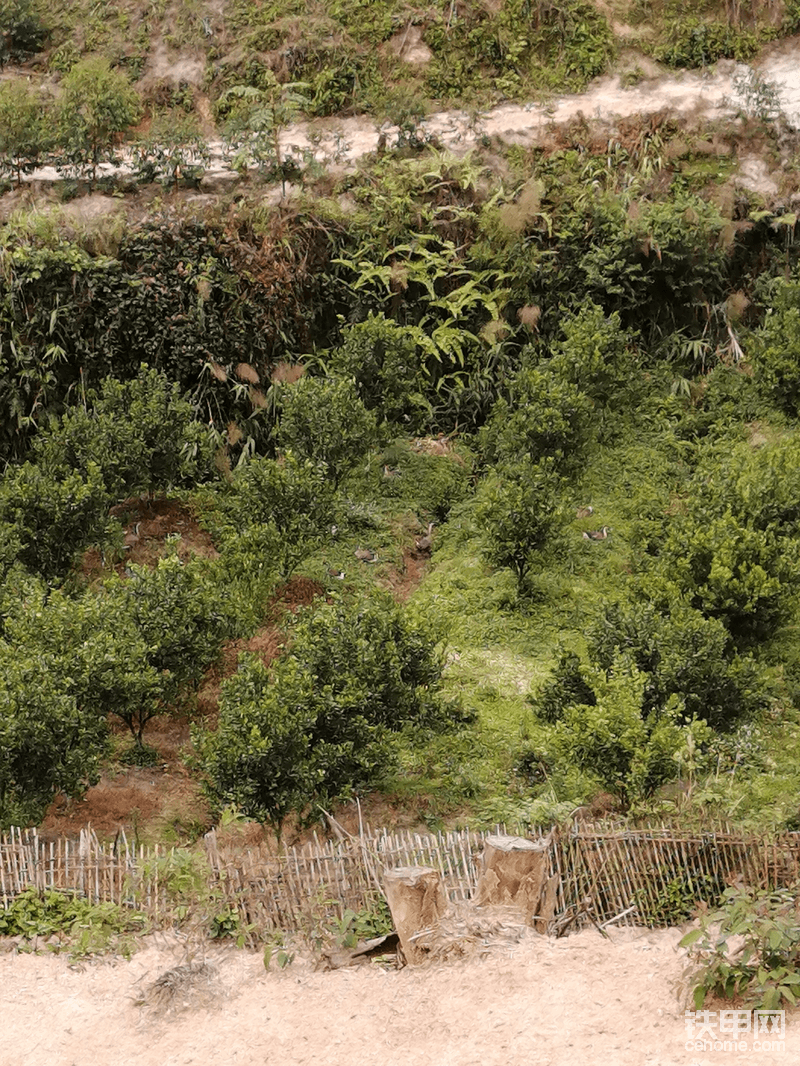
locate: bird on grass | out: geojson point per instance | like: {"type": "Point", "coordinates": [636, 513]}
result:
{"type": "Point", "coordinates": [131, 538]}
{"type": "Point", "coordinates": [423, 544]}
{"type": "Point", "coordinates": [597, 534]}
{"type": "Point", "coordinates": [584, 512]}
{"type": "Point", "coordinates": [366, 555]}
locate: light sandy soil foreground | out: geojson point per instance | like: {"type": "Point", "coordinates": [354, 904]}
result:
{"type": "Point", "coordinates": [578, 1001]}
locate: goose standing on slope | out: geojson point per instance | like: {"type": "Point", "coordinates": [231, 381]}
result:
{"type": "Point", "coordinates": [424, 544]}
{"type": "Point", "coordinates": [597, 534]}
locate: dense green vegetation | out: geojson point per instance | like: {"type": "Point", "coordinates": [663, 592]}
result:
{"type": "Point", "coordinates": [574, 376]}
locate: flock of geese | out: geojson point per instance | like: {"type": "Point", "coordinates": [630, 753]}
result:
{"type": "Point", "coordinates": [592, 534]}
{"type": "Point", "coordinates": [423, 544]}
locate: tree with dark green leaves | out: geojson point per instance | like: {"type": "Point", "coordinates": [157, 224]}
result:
{"type": "Point", "coordinates": [629, 751]}
{"type": "Point", "coordinates": [289, 499]}
{"type": "Point", "coordinates": [22, 32]}
{"type": "Point", "coordinates": [320, 724]}
{"type": "Point", "coordinates": [543, 416]}
{"type": "Point", "coordinates": [519, 513]}
{"type": "Point", "coordinates": [133, 649]}
{"type": "Point", "coordinates": [324, 420]}
{"type": "Point", "coordinates": [680, 653]}
{"type": "Point", "coordinates": [48, 743]}
{"type": "Point", "coordinates": [140, 434]}
{"type": "Point", "coordinates": [387, 363]}
{"type": "Point", "coordinates": [53, 516]}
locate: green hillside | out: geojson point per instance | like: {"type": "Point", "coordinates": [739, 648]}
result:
{"type": "Point", "coordinates": [464, 484]}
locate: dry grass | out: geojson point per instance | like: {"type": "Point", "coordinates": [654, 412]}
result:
{"type": "Point", "coordinates": [467, 931]}
{"type": "Point", "coordinates": [189, 985]}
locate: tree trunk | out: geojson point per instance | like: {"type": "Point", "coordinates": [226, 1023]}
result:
{"type": "Point", "coordinates": [417, 900]}
{"type": "Point", "coordinates": [515, 871]}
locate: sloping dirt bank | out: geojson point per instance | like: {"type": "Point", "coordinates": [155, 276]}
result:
{"type": "Point", "coordinates": [700, 94]}
{"type": "Point", "coordinates": [579, 1001]}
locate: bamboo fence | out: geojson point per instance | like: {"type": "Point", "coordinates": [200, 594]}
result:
{"type": "Point", "coordinates": [635, 876]}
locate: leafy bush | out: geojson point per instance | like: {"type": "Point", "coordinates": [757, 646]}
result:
{"type": "Point", "coordinates": [94, 653]}
{"type": "Point", "coordinates": [24, 134]}
{"type": "Point", "coordinates": [729, 400]}
{"type": "Point", "coordinates": [324, 420]}
{"type": "Point", "coordinates": [48, 743]}
{"type": "Point", "coordinates": [173, 151]}
{"type": "Point", "coordinates": [544, 416]}
{"type": "Point", "coordinates": [566, 687]}
{"type": "Point", "coordinates": [181, 616]}
{"type": "Point", "coordinates": [388, 366]}
{"type": "Point", "coordinates": [518, 510]}
{"type": "Point", "coordinates": [292, 498]}
{"type": "Point", "coordinates": [254, 117]}
{"type": "Point", "coordinates": [759, 486]}
{"type": "Point", "coordinates": [21, 30]}
{"type": "Point", "coordinates": [776, 357]}
{"type": "Point", "coordinates": [593, 356]}
{"type": "Point", "coordinates": [729, 571]}
{"type": "Point", "coordinates": [558, 46]}
{"type": "Point", "coordinates": [88, 928]}
{"type": "Point", "coordinates": [320, 726]}
{"type": "Point", "coordinates": [96, 107]}
{"type": "Point", "coordinates": [430, 484]}
{"type": "Point", "coordinates": [52, 517]}
{"type": "Point", "coordinates": [630, 751]}
{"type": "Point", "coordinates": [697, 43]}
{"type": "Point", "coordinates": [134, 649]}
{"type": "Point", "coordinates": [680, 654]}
{"type": "Point", "coordinates": [140, 434]}
{"type": "Point", "coordinates": [764, 967]}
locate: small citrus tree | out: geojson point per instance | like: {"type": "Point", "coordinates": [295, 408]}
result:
{"type": "Point", "coordinates": [518, 511]}
{"type": "Point", "coordinates": [323, 419]}
{"type": "Point", "coordinates": [321, 723]}
{"type": "Point", "coordinates": [23, 128]}
{"type": "Point", "coordinates": [98, 105]}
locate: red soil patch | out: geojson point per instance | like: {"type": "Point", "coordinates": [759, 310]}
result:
{"type": "Point", "coordinates": [146, 525]}
{"type": "Point", "coordinates": [145, 800]}
{"type": "Point", "coordinates": [267, 643]}
{"type": "Point", "coordinates": [404, 579]}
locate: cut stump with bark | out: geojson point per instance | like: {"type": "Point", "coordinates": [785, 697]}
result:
{"type": "Point", "coordinates": [417, 900]}
{"type": "Point", "coordinates": [516, 872]}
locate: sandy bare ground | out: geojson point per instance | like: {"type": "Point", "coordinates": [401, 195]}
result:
{"type": "Point", "coordinates": [579, 1001]}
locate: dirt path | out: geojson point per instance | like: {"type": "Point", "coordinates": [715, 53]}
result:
{"type": "Point", "coordinates": [580, 1001]}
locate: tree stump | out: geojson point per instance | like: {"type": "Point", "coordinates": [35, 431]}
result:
{"type": "Point", "coordinates": [417, 900]}
{"type": "Point", "coordinates": [515, 872]}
